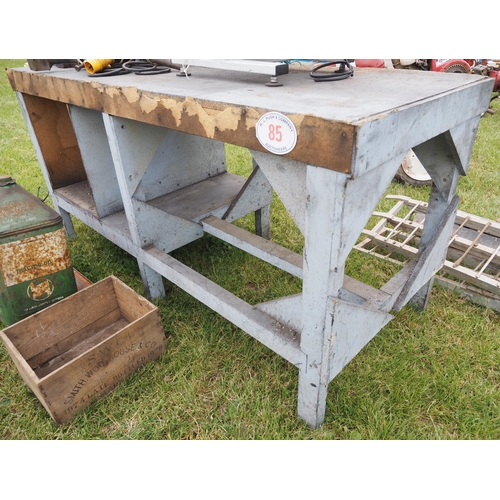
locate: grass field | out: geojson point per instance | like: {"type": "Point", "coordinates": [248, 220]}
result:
{"type": "Point", "coordinates": [433, 375]}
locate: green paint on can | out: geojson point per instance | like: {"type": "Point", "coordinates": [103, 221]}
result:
{"type": "Point", "coordinates": [35, 265]}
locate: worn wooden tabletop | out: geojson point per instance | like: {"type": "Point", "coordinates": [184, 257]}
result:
{"type": "Point", "coordinates": [334, 120]}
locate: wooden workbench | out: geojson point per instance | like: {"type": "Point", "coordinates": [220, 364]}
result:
{"type": "Point", "coordinates": [141, 160]}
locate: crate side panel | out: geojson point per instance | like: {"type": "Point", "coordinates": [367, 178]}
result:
{"type": "Point", "coordinates": [132, 305]}
{"type": "Point", "coordinates": [94, 374]}
{"type": "Point", "coordinates": [27, 374]}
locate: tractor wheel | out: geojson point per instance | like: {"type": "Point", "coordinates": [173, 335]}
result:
{"type": "Point", "coordinates": [412, 172]}
{"type": "Point", "coordinates": [456, 68]}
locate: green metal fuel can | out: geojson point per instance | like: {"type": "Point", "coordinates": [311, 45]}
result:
{"type": "Point", "coordinates": [35, 264]}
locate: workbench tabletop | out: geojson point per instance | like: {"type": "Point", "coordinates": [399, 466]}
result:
{"type": "Point", "coordinates": [226, 105]}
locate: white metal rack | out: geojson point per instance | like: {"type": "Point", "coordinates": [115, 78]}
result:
{"type": "Point", "coordinates": [472, 265]}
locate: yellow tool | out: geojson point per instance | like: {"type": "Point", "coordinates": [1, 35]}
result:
{"type": "Point", "coordinates": [96, 65]}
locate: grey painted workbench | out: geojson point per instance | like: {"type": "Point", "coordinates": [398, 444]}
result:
{"type": "Point", "coordinates": [141, 160]}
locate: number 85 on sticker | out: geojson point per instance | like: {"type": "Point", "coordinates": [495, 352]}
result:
{"type": "Point", "coordinates": [276, 133]}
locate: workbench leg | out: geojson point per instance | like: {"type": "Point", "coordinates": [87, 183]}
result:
{"type": "Point", "coordinates": [262, 216]}
{"type": "Point", "coordinates": [68, 223]}
{"type": "Point", "coordinates": [420, 300]}
{"type": "Point", "coordinates": [438, 157]}
{"type": "Point", "coordinates": [153, 282]}
{"type": "Point", "coordinates": [151, 162]}
{"type": "Point", "coordinates": [435, 210]}
{"type": "Point", "coordinates": [323, 277]}
{"type": "Point", "coordinates": [333, 331]}
{"type": "Point", "coordinates": [262, 222]}
{"type": "Point", "coordinates": [124, 170]}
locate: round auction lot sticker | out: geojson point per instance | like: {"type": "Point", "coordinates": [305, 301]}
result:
{"type": "Point", "coordinates": [276, 133]}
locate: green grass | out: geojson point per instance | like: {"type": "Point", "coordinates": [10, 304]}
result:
{"type": "Point", "coordinates": [426, 376]}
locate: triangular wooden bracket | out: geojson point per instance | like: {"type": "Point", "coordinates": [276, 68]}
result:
{"type": "Point", "coordinates": [157, 161]}
{"type": "Point", "coordinates": [287, 310]}
{"type": "Point", "coordinates": [255, 194]}
{"type": "Point", "coordinates": [352, 327]}
{"type": "Point", "coordinates": [96, 155]}
{"type": "Point", "coordinates": [161, 229]}
{"type": "Point", "coordinates": [288, 179]}
{"type": "Point", "coordinates": [440, 159]}
{"type": "Point", "coordinates": [461, 139]}
{"type": "Point", "coordinates": [360, 201]}
{"type": "Point", "coordinates": [133, 146]}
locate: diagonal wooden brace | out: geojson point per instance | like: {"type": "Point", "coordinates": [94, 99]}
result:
{"type": "Point", "coordinates": [430, 259]}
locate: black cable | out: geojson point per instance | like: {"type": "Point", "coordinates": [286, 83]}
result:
{"type": "Point", "coordinates": [137, 66]}
{"type": "Point", "coordinates": [113, 70]}
{"type": "Point", "coordinates": [141, 67]}
{"type": "Point", "coordinates": [340, 74]}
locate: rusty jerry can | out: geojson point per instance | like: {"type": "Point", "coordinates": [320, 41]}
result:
{"type": "Point", "coordinates": [35, 265]}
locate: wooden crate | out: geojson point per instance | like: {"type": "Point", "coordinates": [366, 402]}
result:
{"type": "Point", "coordinates": [78, 350]}
{"type": "Point", "coordinates": [81, 281]}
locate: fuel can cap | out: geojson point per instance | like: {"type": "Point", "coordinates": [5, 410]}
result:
{"type": "Point", "coordinates": [5, 180]}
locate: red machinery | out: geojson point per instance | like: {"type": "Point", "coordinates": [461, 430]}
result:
{"type": "Point", "coordinates": [441, 65]}
{"type": "Point", "coordinates": [411, 170]}
{"type": "Point", "coordinates": [488, 68]}
{"type": "Point", "coordinates": [477, 66]}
